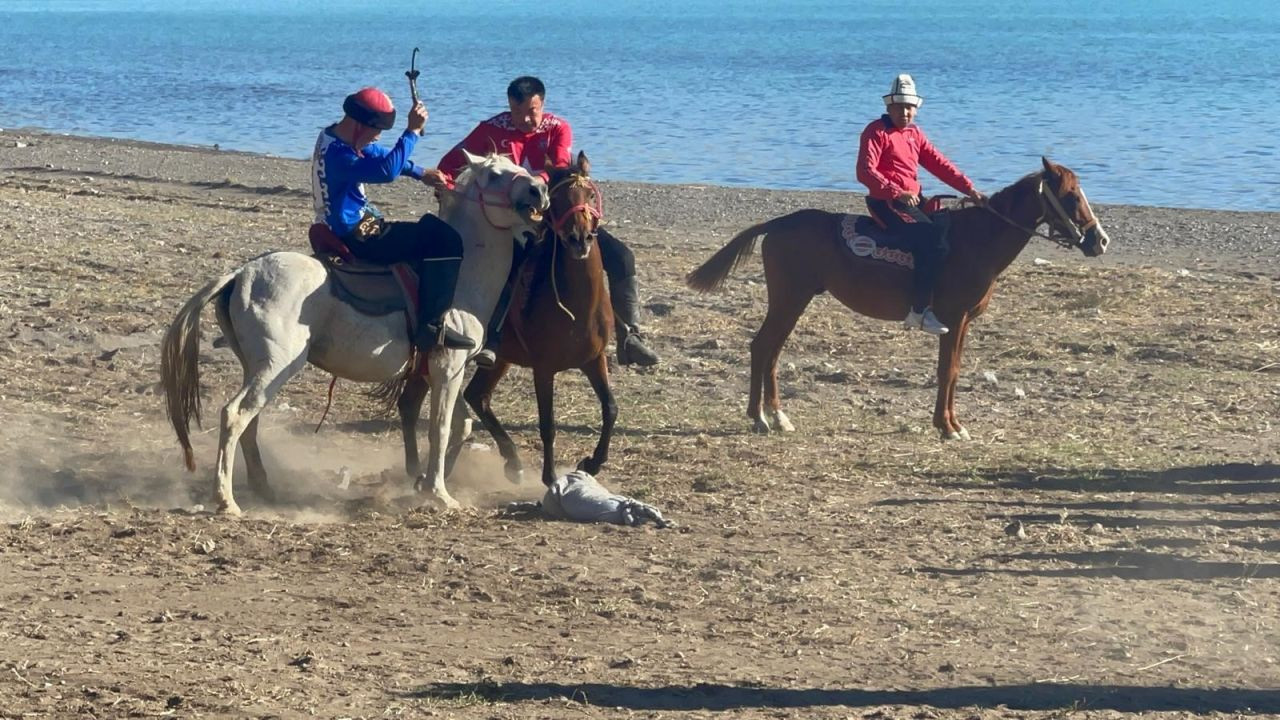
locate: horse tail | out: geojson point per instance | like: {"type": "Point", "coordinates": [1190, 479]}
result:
{"type": "Point", "coordinates": [179, 368]}
{"type": "Point", "coordinates": [711, 274]}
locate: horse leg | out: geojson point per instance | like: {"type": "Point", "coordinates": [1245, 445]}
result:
{"type": "Point", "coordinates": [597, 372]}
{"type": "Point", "coordinates": [447, 367]}
{"type": "Point", "coordinates": [253, 463]}
{"type": "Point", "coordinates": [260, 386]}
{"type": "Point", "coordinates": [478, 394]}
{"type": "Point", "coordinates": [950, 347]}
{"type": "Point", "coordinates": [410, 406]}
{"type": "Point", "coordinates": [457, 435]}
{"type": "Point", "coordinates": [785, 309]}
{"type": "Point", "coordinates": [544, 386]}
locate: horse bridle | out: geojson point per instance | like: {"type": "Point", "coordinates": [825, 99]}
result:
{"type": "Point", "coordinates": [504, 203]}
{"type": "Point", "coordinates": [1049, 202]}
{"type": "Point", "coordinates": [595, 209]}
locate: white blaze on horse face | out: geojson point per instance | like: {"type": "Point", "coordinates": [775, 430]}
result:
{"type": "Point", "coordinates": [1103, 239]}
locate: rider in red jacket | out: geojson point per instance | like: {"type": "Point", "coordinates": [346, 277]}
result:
{"type": "Point", "coordinates": [530, 136]}
{"type": "Point", "coordinates": [889, 153]}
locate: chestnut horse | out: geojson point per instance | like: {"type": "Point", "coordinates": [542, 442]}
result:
{"type": "Point", "coordinates": [560, 318]}
{"type": "Point", "coordinates": [803, 256]}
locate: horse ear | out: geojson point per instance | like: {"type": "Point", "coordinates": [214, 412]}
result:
{"type": "Point", "coordinates": [584, 165]}
{"type": "Point", "coordinates": [471, 159]}
{"type": "Point", "coordinates": [1048, 166]}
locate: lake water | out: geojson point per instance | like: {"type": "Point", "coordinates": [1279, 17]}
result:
{"type": "Point", "coordinates": [1155, 102]}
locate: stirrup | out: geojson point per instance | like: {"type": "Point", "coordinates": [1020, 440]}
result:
{"type": "Point", "coordinates": [486, 358]}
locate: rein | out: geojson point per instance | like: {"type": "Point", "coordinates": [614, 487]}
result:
{"type": "Point", "coordinates": [1049, 201]}
{"type": "Point", "coordinates": [595, 210]}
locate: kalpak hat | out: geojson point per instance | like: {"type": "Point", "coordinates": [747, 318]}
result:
{"type": "Point", "coordinates": [903, 90]}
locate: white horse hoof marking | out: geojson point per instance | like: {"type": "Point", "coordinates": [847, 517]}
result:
{"type": "Point", "coordinates": [783, 422]}
{"type": "Point", "coordinates": [963, 434]}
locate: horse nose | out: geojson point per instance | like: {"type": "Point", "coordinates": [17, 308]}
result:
{"type": "Point", "coordinates": [1103, 240]}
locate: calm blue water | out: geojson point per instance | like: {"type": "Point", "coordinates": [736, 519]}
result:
{"type": "Point", "coordinates": [1159, 102]}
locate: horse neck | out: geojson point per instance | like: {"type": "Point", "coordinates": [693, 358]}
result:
{"type": "Point", "coordinates": [486, 259]}
{"type": "Point", "coordinates": [1001, 241]}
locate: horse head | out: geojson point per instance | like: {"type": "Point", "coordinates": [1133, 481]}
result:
{"type": "Point", "coordinates": [576, 206]}
{"type": "Point", "coordinates": [508, 194]}
{"type": "Point", "coordinates": [1066, 209]}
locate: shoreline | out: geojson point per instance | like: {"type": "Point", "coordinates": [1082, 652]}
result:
{"type": "Point", "coordinates": [1238, 240]}
{"type": "Point", "coordinates": [9, 135]}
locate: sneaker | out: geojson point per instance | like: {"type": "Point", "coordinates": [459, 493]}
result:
{"type": "Point", "coordinates": [931, 324]}
{"type": "Point", "coordinates": [486, 358]}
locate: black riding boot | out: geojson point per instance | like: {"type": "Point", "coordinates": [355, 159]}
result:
{"type": "Point", "coordinates": [626, 315]}
{"type": "Point", "coordinates": [436, 282]}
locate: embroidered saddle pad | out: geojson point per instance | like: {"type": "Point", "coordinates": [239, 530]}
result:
{"type": "Point", "coordinates": [866, 240]}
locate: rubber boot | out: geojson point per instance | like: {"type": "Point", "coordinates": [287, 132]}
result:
{"type": "Point", "coordinates": [626, 315]}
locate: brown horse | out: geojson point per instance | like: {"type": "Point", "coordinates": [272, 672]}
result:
{"type": "Point", "coordinates": [803, 256]}
{"type": "Point", "coordinates": [560, 318]}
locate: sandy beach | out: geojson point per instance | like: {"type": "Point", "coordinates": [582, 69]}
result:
{"type": "Point", "coordinates": [1105, 546]}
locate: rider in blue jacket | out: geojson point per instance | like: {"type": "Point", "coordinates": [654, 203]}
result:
{"type": "Point", "coordinates": [346, 157]}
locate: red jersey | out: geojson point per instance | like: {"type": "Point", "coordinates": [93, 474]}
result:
{"type": "Point", "coordinates": [552, 139]}
{"type": "Point", "coordinates": [888, 158]}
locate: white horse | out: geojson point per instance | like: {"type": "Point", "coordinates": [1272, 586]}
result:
{"type": "Point", "coordinates": [278, 312]}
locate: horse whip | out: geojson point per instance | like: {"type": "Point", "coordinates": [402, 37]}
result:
{"type": "Point", "coordinates": [412, 74]}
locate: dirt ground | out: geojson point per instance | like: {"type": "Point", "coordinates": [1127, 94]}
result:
{"type": "Point", "coordinates": [1108, 545]}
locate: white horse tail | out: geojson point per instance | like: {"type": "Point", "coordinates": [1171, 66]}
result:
{"type": "Point", "coordinates": [179, 368]}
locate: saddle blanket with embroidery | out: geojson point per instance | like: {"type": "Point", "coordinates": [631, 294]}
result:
{"type": "Point", "coordinates": [863, 237]}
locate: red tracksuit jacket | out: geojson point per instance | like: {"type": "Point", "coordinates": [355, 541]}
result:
{"type": "Point", "coordinates": [552, 139]}
{"type": "Point", "coordinates": [888, 159]}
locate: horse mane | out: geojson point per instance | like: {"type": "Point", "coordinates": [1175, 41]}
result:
{"type": "Point", "coordinates": [1010, 192]}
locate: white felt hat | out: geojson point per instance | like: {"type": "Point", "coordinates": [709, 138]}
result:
{"type": "Point", "coordinates": [903, 90]}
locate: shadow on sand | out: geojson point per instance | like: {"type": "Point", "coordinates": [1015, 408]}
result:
{"type": "Point", "coordinates": [706, 696]}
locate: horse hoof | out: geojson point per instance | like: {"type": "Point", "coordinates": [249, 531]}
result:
{"type": "Point", "coordinates": [963, 434]}
{"type": "Point", "coordinates": [515, 476]}
{"type": "Point", "coordinates": [230, 509]}
{"type": "Point", "coordinates": [783, 422]}
{"type": "Point", "coordinates": [760, 427]}
{"type": "Point", "coordinates": [590, 466]}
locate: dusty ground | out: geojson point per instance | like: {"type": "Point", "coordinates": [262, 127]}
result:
{"type": "Point", "coordinates": [1123, 411]}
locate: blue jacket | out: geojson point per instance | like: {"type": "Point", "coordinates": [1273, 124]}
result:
{"type": "Point", "coordinates": [338, 174]}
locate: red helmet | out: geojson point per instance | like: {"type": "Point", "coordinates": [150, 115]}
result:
{"type": "Point", "coordinates": [370, 106]}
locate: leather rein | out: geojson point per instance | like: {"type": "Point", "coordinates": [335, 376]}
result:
{"type": "Point", "coordinates": [1049, 202]}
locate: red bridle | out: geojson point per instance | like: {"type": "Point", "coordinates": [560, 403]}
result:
{"type": "Point", "coordinates": [503, 202]}
{"type": "Point", "coordinates": [595, 209]}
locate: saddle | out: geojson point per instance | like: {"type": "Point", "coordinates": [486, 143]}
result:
{"type": "Point", "coordinates": [370, 288]}
{"type": "Point", "coordinates": [868, 239]}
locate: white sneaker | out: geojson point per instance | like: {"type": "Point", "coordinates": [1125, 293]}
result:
{"type": "Point", "coordinates": [925, 321]}
{"type": "Point", "coordinates": [931, 324]}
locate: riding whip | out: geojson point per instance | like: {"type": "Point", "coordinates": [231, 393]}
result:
{"type": "Point", "coordinates": [412, 74]}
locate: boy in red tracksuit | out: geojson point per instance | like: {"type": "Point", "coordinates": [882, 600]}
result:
{"type": "Point", "coordinates": [530, 136]}
{"type": "Point", "coordinates": [889, 153]}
